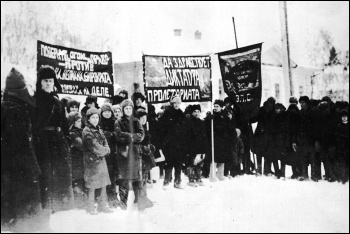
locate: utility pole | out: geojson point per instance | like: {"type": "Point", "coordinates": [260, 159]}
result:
{"type": "Point", "coordinates": [287, 74]}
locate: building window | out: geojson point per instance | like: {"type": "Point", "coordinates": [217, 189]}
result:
{"type": "Point", "coordinates": [177, 32]}
{"type": "Point", "coordinates": [198, 35]}
{"type": "Point", "coordinates": [301, 91]}
{"type": "Point", "coordinates": [277, 92]}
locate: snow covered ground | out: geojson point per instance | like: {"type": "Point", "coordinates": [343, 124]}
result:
{"type": "Point", "coordinates": [244, 204]}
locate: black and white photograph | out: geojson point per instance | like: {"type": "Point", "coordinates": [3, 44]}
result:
{"type": "Point", "coordinates": [175, 117]}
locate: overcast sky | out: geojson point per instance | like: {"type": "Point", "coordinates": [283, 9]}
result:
{"type": "Point", "coordinates": [136, 27]}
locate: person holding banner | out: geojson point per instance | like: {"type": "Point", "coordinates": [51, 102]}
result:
{"type": "Point", "coordinates": [52, 149]}
{"type": "Point", "coordinates": [173, 129]}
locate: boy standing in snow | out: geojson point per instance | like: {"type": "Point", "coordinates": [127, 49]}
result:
{"type": "Point", "coordinates": [198, 138]}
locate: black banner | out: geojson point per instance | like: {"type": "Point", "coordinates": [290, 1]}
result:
{"type": "Point", "coordinates": [186, 76]}
{"type": "Point", "coordinates": [241, 74]}
{"type": "Point", "coordinates": [79, 72]}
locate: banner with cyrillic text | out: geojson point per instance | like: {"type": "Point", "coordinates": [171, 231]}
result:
{"type": "Point", "coordinates": [188, 77]}
{"type": "Point", "coordinates": [241, 75]}
{"type": "Point", "coordinates": [79, 72]}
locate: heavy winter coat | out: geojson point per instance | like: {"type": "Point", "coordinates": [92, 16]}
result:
{"type": "Point", "coordinates": [147, 152]}
{"type": "Point", "coordinates": [342, 137]}
{"type": "Point", "coordinates": [129, 135]}
{"type": "Point", "coordinates": [95, 150]}
{"type": "Point", "coordinates": [260, 135]}
{"type": "Point", "coordinates": [107, 126]}
{"type": "Point", "coordinates": [221, 138]}
{"type": "Point", "coordinates": [20, 191]}
{"type": "Point", "coordinates": [173, 127]}
{"type": "Point", "coordinates": [197, 139]}
{"type": "Point", "coordinates": [53, 153]}
{"type": "Point", "coordinates": [77, 151]}
{"type": "Point", "coordinates": [293, 115]}
{"type": "Point", "coordinates": [277, 128]}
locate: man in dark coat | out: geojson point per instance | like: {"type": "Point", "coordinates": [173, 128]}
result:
{"type": "Point", "coordinates": [260, 135]}
{"type": "Point", "coordinates": [277, 128]}
{"type": "Point", "coordinates": [52, 147]}
{"type": "Point", "coordinates": [305, 141]}
{"type": "Point", "coordinates": [221, 142]}
{"type": "Point", "coordinates": [173, 132]}
{"type": "Point", "coordinates": [20, 191]}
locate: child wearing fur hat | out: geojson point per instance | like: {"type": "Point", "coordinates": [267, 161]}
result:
{"type": "Point", "coordinates": [107, 126]}
{"type": "Point", "coordinates": [117, 111]}
{"type": "Point", "coordinates": [96, 175]}
{"type": "Point", "coordinates": [91, 101]}
{"type": "Point", "coordinates": [198, 148]}
{"type": "Point", "coordinates": [129, 135]}
{"type": "Point", "coordinates": [75, 135]}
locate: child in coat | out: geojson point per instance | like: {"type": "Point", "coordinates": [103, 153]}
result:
{"type": "Point", "coordinates": [96, 172]}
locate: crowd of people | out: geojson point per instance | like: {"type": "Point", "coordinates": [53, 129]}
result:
{"type": "Point", "coordinates": [56, 157]}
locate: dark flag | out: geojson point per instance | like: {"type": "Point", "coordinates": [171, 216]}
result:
{"type": "Point", "coordinates": [241, 75]}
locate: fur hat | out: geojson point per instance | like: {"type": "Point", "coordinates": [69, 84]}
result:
{"type": "Point", "coordinates": [91, 111]}
{"type": "Point", "coordinates": [280, 106]}
{"type": "Point", "coordinates": [47, 72]}
{"type": "Point", "coordinates": [126, 102]}
{"type": "Point", "coordinates": [271, 100]}
{"type": "Point", "coordinates": [326, 99]}
{"type": "Point", "coordinates": [72, 118]}
{"type": "Point", "coordinates": [293, 107]}
{"type": "Point", "coordinates": [344, 113]}
{"type": "Point", "coordinates": [293, 100]}
{"type": "Point", "coordinates": [125, 93]}
{"type": "Point", "coordinates": [115, 107]}
{"type": "Point", "coordinates": [323, 105]}
{"type": "Point", "coordinates": [106, 107]}
{"type": "Point", "coordinates": [15, 86]}
{"type": "Point", "coordinates": [304, 99]}
{"type": "Point", "coordinates": [140, 113]}
{"type": "Point", "coordinates": [219, 102]}
{"type": "Point", "coordinates": [136, 96]}
{"type": "Point", "coordinates": [72, 103]}
{"type": "Point", "coordinates": [117, 99]}
{"type": "Point", "coordinates": [196, 107]}
{"type": "Point", "coordinates": [176, 99]}
{"type": "Point", "coordinates": [91, 99]}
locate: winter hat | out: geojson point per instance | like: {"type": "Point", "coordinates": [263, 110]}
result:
{"type": "Point", "coordinates": [136, 96]}
{"type": "Point", "coordinates": [65, 100]}
{"type": "Point", "coordinates": [47, 72]}
{"type": "Point", "coordinates": [91, 99]}
{"type": "Point", "coordinates": [293, 100]}
{"type": "Point", "coordinates": [271, 100]}
{"type": "Point", "coordinates": [326, 99]}
{"type": "Point", "coordinates": [91, 111]}
{"type": "Point", "coordinates": [106, 107]}
{"type": "Point", "coordinates": [15, 86]}
{"type": "Point", "coordinates": [72, 118]}
{"type": "Point", "coordinates": [304, 99]}
{"type": "Point", "coordinates": [314, 102]}
{"type": "Point", "coordinates": [323, 105]}
{"type": "Point", "coordinates": [219, 102]}
{"type": "Point", "coordinates": [196, 107]}
{"type": "Point", "coordinates": [125, 103]}
{"type": "Point", "coordinates": [280, 106]}
{"type": "Point", "coordinates": [238, 132]}
{"type": "Point", "coordinates": [72, 103]}
{"type": "Point", "coordinates": [117, 99]}
{"type": "Point", "coordinates": [125, 93]}
{"type": "Point", "coordinates": [293, 107]}
{"type": "Point", "coordinates": [115, 107]}
{"type": "Point", "coordinates": [176, 99]}
{"type": "Point", "coordinates": [344, 113]}
{"type": "Point", "coordinates": [140, 113]}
